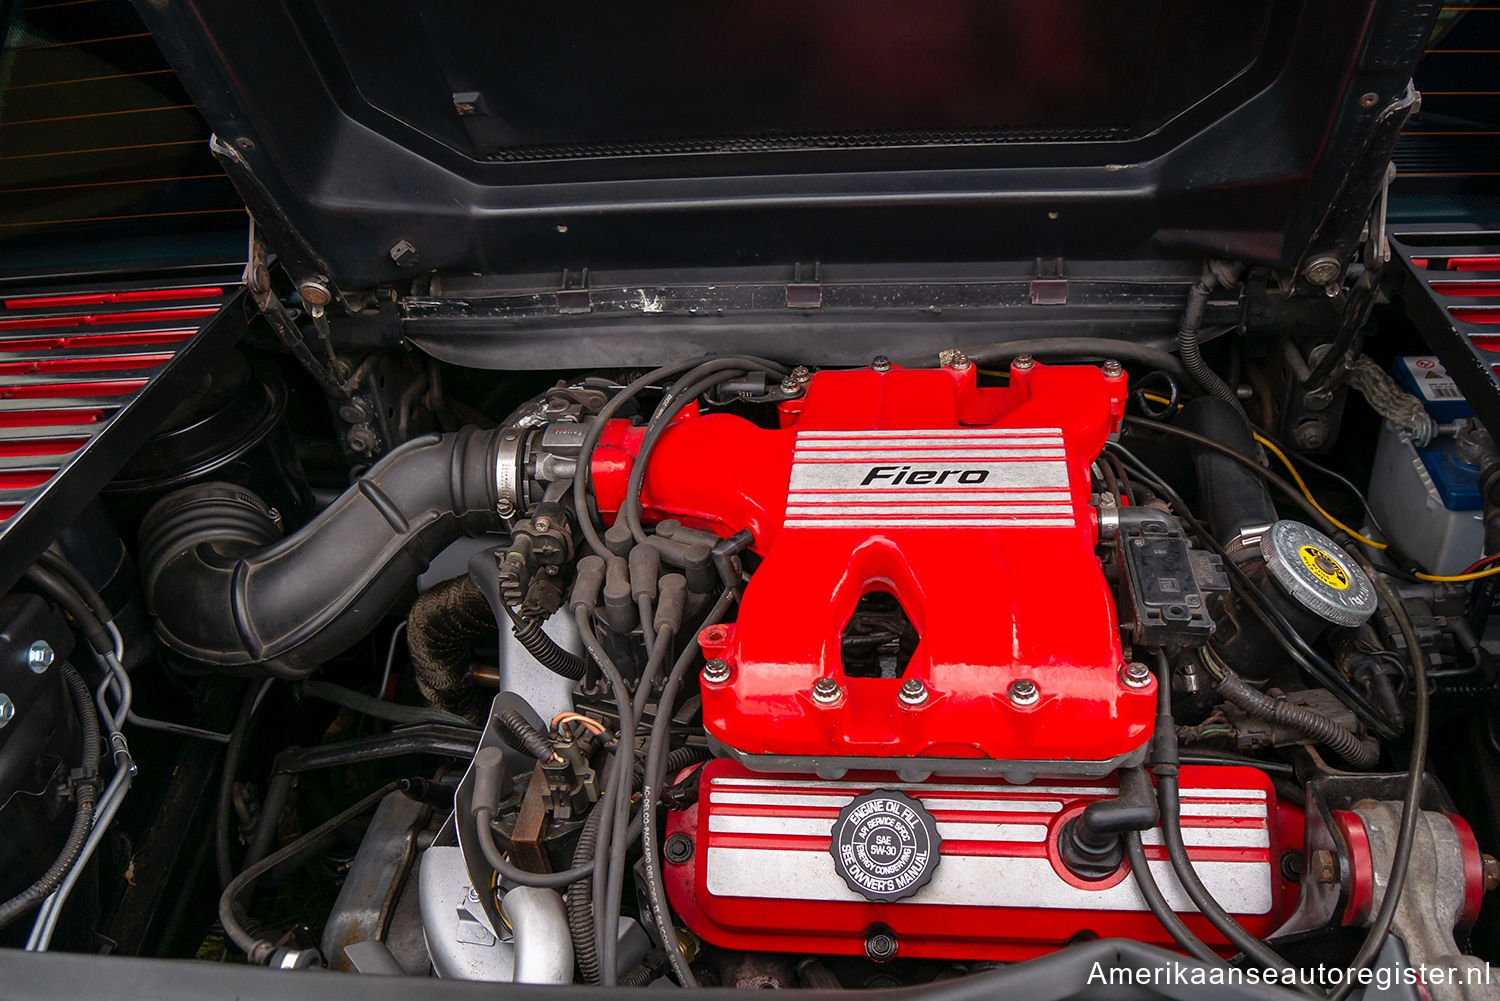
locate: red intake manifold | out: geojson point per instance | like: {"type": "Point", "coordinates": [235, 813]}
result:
{"type": "Point", "coordinates": [971, 507]}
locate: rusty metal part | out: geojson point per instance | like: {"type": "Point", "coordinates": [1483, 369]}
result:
{"type": "Point", "coordinates": [527, 850]}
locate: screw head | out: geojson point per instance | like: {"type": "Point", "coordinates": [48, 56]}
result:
{"type": "Point", "coordinates": [790, 384]}
{"type": "Point", "coordinates": [543, 524]}
{"type": "Point", "coordinates": [1135, 675]}
{"type": "Point", "coordinates": [1369, 100]}
{"type": "Point", "coordinates": [913, 692]}
{"type": "Point", "coordinates": [1489, 866]}
{"type": "Point", "coordinates": [881, 364]}
{"type": "Point", "coordinates": [39, 657]}
{"type": "Point", "coordinates": [1113, 369]}
{"type": "Point", "coordinates": [1021, 363]}
{"type": "Point", "coordinates": [802, 374]}
{"type": "Point", "coordinates": [959, 361]}
{"type": "Point", "coordinates": [1024, 692]}
{"type": "Point", "coordinates": [716, 671]}
{"type": "Point", "coordinates": [7, 710]}
{"type": "Point", "coordinates": [678, 849]}
{"type": "Point", "coordinates": [826, 691]}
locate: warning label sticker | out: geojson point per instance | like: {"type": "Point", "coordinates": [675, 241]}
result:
{"type": "Point", "coordinates": [1324, 567]}
{"type": "Point", "coordinates": [1431, 379]}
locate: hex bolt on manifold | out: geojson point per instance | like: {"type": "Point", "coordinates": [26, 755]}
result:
{"type": "Point", "coordinates": [913, 693]}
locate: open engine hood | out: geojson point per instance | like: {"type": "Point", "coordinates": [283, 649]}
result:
{"type": "Point", "coordinates": [378, 139]}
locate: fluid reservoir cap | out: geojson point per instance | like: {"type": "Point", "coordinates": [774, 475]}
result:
{"type": "Point", "coordinates": [1317, 574]}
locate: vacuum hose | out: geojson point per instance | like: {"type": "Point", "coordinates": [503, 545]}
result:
{"type": "Point", "coordinates": [226, 592]}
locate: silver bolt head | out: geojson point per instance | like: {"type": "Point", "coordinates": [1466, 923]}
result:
{"type": "Point", "coordinates": [1113, 369]}
{"type": "Point", "coordinates": [913, 693]}
{"type": "Point", "coordinates": [542, 524]}
{"type": "Point", "coordinates": [881, 364]}
{"type": "Point", "coordinates": [1135, 675]}
{"type": "Point", "coordinates": [1323, 270]}
{"type": "Point", "coordinates": [959, 361]}
{"type": "Point", "coordinates": [802, 374]}
{"type": "Point", "coordinates": [39, 657]}
{"type": "Point", "coordinates": [7, 709]}
{"type": "Point", "coordinates": [315, 293]}
{"type": "Point", "coordinates": [716, 671]}
{"type": "Point", "coordinates": [826, 691]}
{"type": "Point", "coordinates": [1024, 692]}
{"type": "Point", "coordinates": [1021, 363]}
{"type": "Point", "coordinates": [790, 385]}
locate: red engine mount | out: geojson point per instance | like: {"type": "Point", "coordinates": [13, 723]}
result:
{"type": "Point", "coordinates": [971, 507]}
{"type": "Point", "coordinates": [761, 875]}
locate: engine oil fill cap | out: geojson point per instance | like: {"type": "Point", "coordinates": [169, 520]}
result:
{"type": "Point", "coordinates": [1317, 574]}
{"type": "Point", "coordinates": [885, 845]}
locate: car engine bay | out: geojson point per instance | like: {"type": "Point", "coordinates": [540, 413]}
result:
{"type": "Point", "coordinates": [840, 676]}
{"type": "Point", "coordinates": [838, 511]}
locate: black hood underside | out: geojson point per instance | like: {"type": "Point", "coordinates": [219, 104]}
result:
{"type": "Point", "coordinates": [376, 139]}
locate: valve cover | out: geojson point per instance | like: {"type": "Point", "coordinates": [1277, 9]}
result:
{"type": "Point", "coordinates": [765, 868]}
{"type": "Point", "coordinates": [967, 507]}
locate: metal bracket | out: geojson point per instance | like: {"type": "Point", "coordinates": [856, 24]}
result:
{"type": "Point", "coordinates": [1049, 287]}
{"type": "Point", "coordinates": [574, 297]}
{"type": "Point", "coordinates": [802, 294]}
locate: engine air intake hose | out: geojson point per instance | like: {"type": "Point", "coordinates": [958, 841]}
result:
{"type": "Point", "coordinates": [225, 592]}
{"type": "Point", "coordinates": [1232, 497]}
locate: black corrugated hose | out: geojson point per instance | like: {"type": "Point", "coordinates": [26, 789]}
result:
{"type": "Point", "coordinates": [85, 793]}
{"type": "Point", "coordinates": [580, 894]}
{"type": "Point", "coordinates": [521, 735]}
{"type": "Point", "coordinates": [1216, 274]}
{"type": "Point", "coordinates": [544, 648]}
{"type": "Point", "coordinates": [580, 901]}
{"type": "Point", "coordinates": [1357, 753]}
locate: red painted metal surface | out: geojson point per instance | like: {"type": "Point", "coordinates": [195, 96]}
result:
{"type": "Point", "coordinates": [1473, 871]}
{"type": "Point", "coordinates": [67, 367]}
{"type": "Point", "coordinates": [1361, 889]}
{"type": "Point", "coordinates": [970, 505]}
{"type": "Point", "coordinates": [761, 876]}
{"type": "Point", "coordinates": [1479, 263]}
